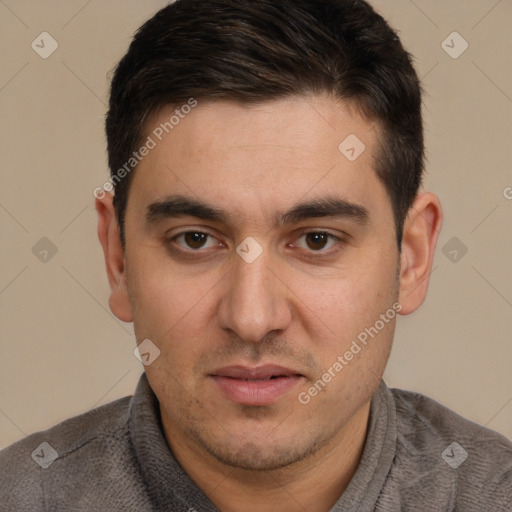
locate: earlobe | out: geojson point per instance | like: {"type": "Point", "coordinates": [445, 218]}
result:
{"type": "Point", "coordinates": [110, 239]}
{"type": "Point", "coordinates": [420, 235]}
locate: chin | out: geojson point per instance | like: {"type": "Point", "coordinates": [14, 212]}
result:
{"type": "Point", "coordinates": [259, 456]}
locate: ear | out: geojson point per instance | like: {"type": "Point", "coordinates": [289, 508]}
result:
{"type": "Point", "coordinates": [421, 231]}
{"type": "Point", "coordinates": [110, 239]}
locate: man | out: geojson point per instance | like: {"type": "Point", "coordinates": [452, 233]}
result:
{"type": "Point", "coordinates": [266, 230]}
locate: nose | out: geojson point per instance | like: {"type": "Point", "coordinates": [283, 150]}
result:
{"type": "Point", "coordinates": [255, 300]}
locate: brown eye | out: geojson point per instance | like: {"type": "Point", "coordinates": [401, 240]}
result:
{"type": "Point", "coordinates": [195, 240]}
{"type": "Point", "coordinates": [317, 241]}
{"type": "Point", "coordinates": [193, 243]}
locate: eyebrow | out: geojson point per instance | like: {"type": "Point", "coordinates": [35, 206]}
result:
{"type": "Point", "coordinates": [181, 206]}
{"type": "Point", "coordinates": [325, 207]}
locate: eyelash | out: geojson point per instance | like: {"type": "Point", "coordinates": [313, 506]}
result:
{"type": "Point", "coordinates": [311, 253]}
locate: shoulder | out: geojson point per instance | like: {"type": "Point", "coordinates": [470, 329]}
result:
{"type": "Point", "coordinates": [475, 460]}
{"type": "Point", "coordinates": [32, 467]}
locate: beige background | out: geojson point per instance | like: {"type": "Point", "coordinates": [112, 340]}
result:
{"type": "Point", "coordinates": [61, 350]}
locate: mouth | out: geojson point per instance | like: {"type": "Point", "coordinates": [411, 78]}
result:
{"type": "Point", "coordinates": [263, 385]}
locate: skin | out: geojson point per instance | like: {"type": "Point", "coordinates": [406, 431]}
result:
{"type": "Point", "coordinates": [299, 304]}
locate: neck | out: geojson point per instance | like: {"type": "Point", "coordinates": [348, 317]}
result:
{"type": "Point", "coordinates": [313, 484]}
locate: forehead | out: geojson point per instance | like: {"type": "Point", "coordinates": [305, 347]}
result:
{"type": "Point", "coordinates": [251, 156]}
{"type": "Point", "coordinates": [298, 122]}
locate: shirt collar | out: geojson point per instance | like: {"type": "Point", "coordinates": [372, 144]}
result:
{"type": "Point", "coordinates": [170, 488]}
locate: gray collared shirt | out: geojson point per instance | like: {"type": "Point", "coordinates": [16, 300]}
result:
{"type": "Point", "coordinates": [418, 456]}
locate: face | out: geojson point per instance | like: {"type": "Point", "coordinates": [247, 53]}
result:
{"type": "Point", "coordinates": [257, 258]}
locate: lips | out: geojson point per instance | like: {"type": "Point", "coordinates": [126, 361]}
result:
{"type": "Point", "coordinates": [263, 385]}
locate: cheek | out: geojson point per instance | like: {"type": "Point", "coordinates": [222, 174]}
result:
{"type": "Point", "coordinates": [349, 301]}
{"type": "Point", "coordinates": [348, 308]}
{"type": "Point", "coordinates": [351, 342]}
{"type": "Point", "coordinates": [167, 304]}
{"type": "Point", "coordinates": [172, 311]}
